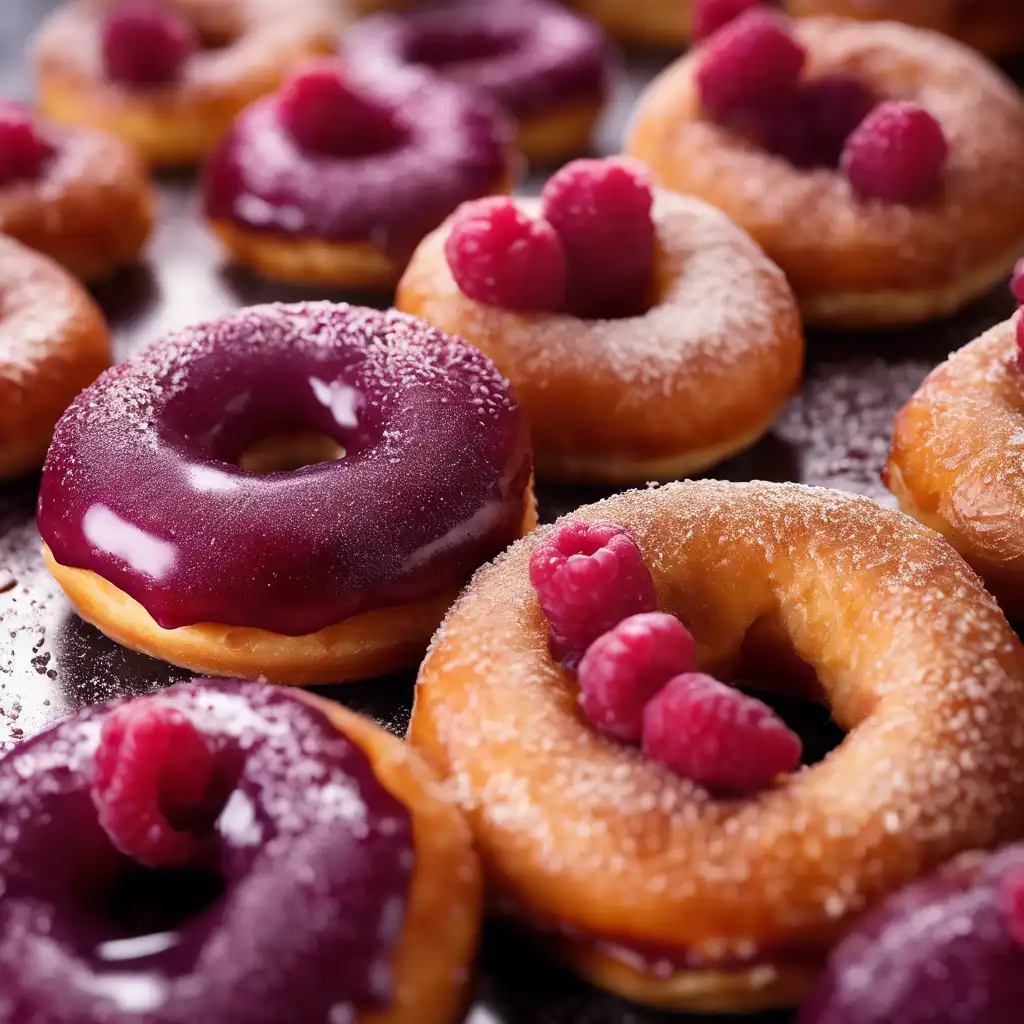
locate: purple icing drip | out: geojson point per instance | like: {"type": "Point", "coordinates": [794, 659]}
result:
{"type": "Point", "coordinates": [939, 952]}
{"type": "Point", "coordinates": [298, 924]}
{"type": "Point", "coordinates": [140, 484]}
{"type": "Point", "coordinates": [456, 148]}
{"type": "Point", "coordinates": [530, 57]}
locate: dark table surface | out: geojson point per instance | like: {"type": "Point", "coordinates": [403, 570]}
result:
{"type": "Point", "coordinates": [835, 433]}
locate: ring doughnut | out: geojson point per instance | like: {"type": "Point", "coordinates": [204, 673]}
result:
{"type": "Point", "coordinates": [851, 261]}
{"type": "Point", "coordinates": [732, 904]}
{"type": "Point", "coordinates": [169, 518]}
{"type": "Point", "coordinates": [954, 462]}
{"type": "Point", "coordinates": [53, 342]}
{"type": "Point", "coordinates": [545, 66]}
{"type": "Point", "coordinates": [236, 51]}
{"type": "Point", "coordinates": [696, 378]}
{"type": "Point", "coordinates": [321, 876]}
{"type": "Point", "coordinates": [641, 22]}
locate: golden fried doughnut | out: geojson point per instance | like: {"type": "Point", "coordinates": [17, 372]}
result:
{"type": "Point", "coordinates": [650, 885]}
{"type": "Point", "coordinates": [695, 379]}
{"type": "Point", "coordinates": [641, 22]}
{"type": "Point", "coordinates": [853, 262]}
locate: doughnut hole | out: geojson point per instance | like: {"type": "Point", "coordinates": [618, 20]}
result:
{"type": "Point", "coordinates": [285, 452]}
{"type": "Point", "coordinates": [444, 46]}
{"type": "Point", "coordinates": [145, 903]}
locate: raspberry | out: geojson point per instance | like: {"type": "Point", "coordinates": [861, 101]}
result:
{"type": "Point", "coordinates": [717, 736]}
{"type": "Point", "coordinates": [325, 113]}
{"type": "Point", "coordinates": [711, 15]}
{"type": "Point", "coordinates": [897, 154]}
{"type": "Point", "coordinates": [601, 210]}
{"type": "Point", "coordinates": [834, 106]}
{"type": "Point", "coordinates": [1013, 903]}
{"type": "Point", "coordinates": [754, 60]}
{"type": "Point", "coordinates": [626, 667]}
{"type": "Point", "coordinates": [23, 152]}
{"type": "Point", "coordinates": [588, 578]}
{"type": "Point", "coordinates": [500, 256]}
{"type": "Point", "coordinates": [152, 784]}
{"type": "Point", "coordinates": [146, 42]}
{"type": "Point", "coordinates": [1020, 341]}
{"type": "Point", "coordinates": [1017, 282]}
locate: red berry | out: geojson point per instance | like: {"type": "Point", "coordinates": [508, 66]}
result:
{"type": "Point", "coordinates": [1020, 341]}
{"type": "Point", "coordinates": [897, 154]}
{"type": "Point", "coordinates": [1013, 903]}
{"type": "Point", "coordinates": [601, 210]}
{"type": "Point", "coordinates": [717, 736]}
{"type": "Point", "coordinates": [500, 256]}
{"type": "Point", "coordinates": [146, 42]}
{"type": "Point", "coordinates": [1017, 282]}
{"type": "Point", "coordinates": [326, 113]}
{"type": "Point", "coordinates": [152, 781]}
{"type": "Point", "coordinates": [711, 15]}
{"type": "Point", "coordinates": [23, 152]}
{"type": "Point", "coordinates": [588, 578]}
{"type": "Point", "coordinates": [754, 60]}
{"type": "Point", "coordinates": [626, 667]}
{"type": "Point", "coordinates": [834, 106]}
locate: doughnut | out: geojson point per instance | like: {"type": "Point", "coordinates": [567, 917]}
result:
{"type": "Point", "coordinates": [170, 77]}
{"type": "Point", "coordinates": [854, 261]}
{"type": "Point", "coordinates": [53, 342]}
{"type": "Point", "coordinates": [992, 26]}
{"type": "Point", "coordinates": [170, 518]}
{"type": "Point", "coordinates": [303, 195]}
{"type": "Point", "coordinates": [731, 904]}
{"type": "Point", "coordinates": [955, 463]}
{"type": "Point", "coordinates": [242, 854]}
{"type": "Point", "coordinates": [79, 196]}
{"type": "Point", "coordinates": [546, 67]}
{"type": "Point", "coordinates": [641, 22]}
{"type": "Point", "coordinates": [697, 376]}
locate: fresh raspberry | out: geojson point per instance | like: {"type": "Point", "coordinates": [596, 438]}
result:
{"type": "Point", "coordinates": [152, 782]}
{"type": "Point", "coordinates": [327, 113]}
{"type": "Point", "coordinates": [1020, 341]}
{"type": "Point", "coordinates": [23, 151]}
{"type": "Point", "coordinates": [146, 42]}
{"type": "Point", "coordinates": [754, 60]}
{"type": "Point", "coordinates": [588, 578]}
{"type": "Point", "coordinates": [717, 736]}
{"type": "Point", "coordinates": [834, 106]}
{"type": "Point", "coordinates": [1017, 282]}
{"type": "Point", "coordinates": [897, 154]}
{"type": "Point", "coordinates": [626, 667]}
{"type": "Point", "coordinates": [1012, 892]}
{"type": "Point", "coordinates": [601, 210]}
{"type": "Point", "coordinates": [711, 15]}
{"type": "Point", "coordinates": [500, 256]}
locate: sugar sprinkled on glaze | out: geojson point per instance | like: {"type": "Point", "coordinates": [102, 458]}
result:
{"type": "Point", "coordinates": [313, 851]}
{"type": "Point", "coordinates": [924, 665]}
{"type": "Point", "coordinates": [140, 484]}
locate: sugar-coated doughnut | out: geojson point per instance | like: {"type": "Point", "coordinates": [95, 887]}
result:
{"type": "Point", "coordinates": [53, 342]}
{"type": "Point", "coordinates": [649, 884]}
{"type": "Point", "coordinates": [319, 874]}
{"type": "Point", "coordinates": [851, 261]}
{"type": "Point", "coordinates": [242, 50]}
{"type": "Point", "coordinates": [697, 377]}
{"type": "Point", "coordinates": [956, 460]}
{"type": "Point", "coordinates": [642, 22]}
{"type": "Point", "coordinates": [171, 522]}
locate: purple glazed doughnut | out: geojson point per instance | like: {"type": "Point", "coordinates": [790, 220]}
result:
{"type": "Point", "coordinates": [334, 181]}
{"type": "Point", "coordinates": [170, 519]}
{"type": "Point", "coordinates": [549, 68]}
{"type": "Point", "coordinates": [243, 854]}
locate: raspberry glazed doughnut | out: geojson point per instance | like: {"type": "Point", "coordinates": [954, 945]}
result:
{"type": "Point", "coordinates": [546, 67]}
{"type": "Point", "coordinates": [335, 180]}
{"type": "Point", "coordinates": [647, 337]}
{"type": "Point", "coordinates": [881, 166]}
{"type": "Point", "coordinates": [641, 22]}
{"type": "Point", "coordinates": [992, 26]}
{"type": "Point", "coordinates": [709, 903]}
{"type": "Point", "coordinates": [53, 343]}
{"type": "Point", "coordinates": [79, 196]}
{"type": "Point", "coordinates": [169, 76]}
{"type": "Point", "coordinates": [243, 854]}
{"type": "Point", "coordinates": [170, 518]}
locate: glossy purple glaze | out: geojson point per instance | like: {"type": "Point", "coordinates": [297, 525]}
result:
{"type": "Point", "coordinates": [456, 148]}
{"type": "Point", "coordinates": [296, 923]}
{"type": "Point", "coordinates": [140, 484]}
{"type": "Point", "coordinates": [530, 57]}
{"type": "Point", "coordinates": [939, 952]}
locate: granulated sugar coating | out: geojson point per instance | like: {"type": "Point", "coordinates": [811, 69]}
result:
{"type": "Point", "coordinates": [917, 663]}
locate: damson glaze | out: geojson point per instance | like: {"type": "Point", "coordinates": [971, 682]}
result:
{"type": "Point", "coordinates": [141, 486]}
{"type": "Point", "coordinates": [296, 922]}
